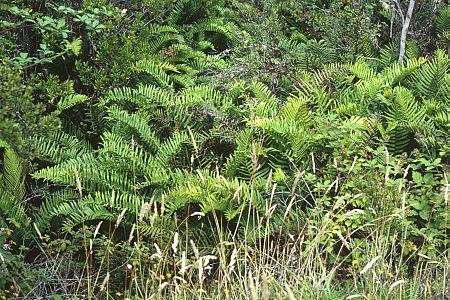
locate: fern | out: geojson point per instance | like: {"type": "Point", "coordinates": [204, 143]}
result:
{"type": "Point", "coordinates": [443, 25]}
{"type": "Point", "coordinates": [156, 70]}
{"type": "Point", "coordinates": [70, 101]}
{"type": "Point", "coordinates": [314, 55]}
{"type": "Point", "coordinates": [78, 212]}
{"type": "Point", "coordinates": [93, 173]}
{"type": "Point", "coordinates": [169, 148]}
{"type": "Point", "coordinates": [431, 80]}
{"type": "Point", "coordinates": [264, 104]}
{"type": "Point", "coordinates": [157, 29]}
{"type": "Point", "coordinates": [389, 54]}
{"type": "Point", "coordinates": [296, 110]}
{"type": "Point", "coordinates": [12, 191]}
{"type": "Point", "coordinates": [59, 146]}
{"type": "Point", "coordinates": [362, 71]}
{"type": "Point", "coordinates": [403, 116]}
{"type": "Point", "coordinates": [138, 124]}
{"type": "Point", "coordinates": [181, 7]}
{"type": "Point", "coordinates": [395, 73]}
{"type": "Point", "coordinates": [217, 26]}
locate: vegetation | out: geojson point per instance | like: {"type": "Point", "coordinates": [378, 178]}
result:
{"type": "Point", "coordinates": [224, 149]}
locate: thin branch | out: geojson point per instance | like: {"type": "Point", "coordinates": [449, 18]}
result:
{"type": "Point", "coordinates": [399, 10]}
{"type": "Point", "coordinates": [17, 27]}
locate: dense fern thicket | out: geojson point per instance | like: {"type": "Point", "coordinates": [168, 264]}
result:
{"type": "Point", "coordinates": [223, 149]}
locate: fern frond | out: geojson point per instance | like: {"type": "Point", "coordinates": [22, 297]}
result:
{"type": "Point", "coordinates": [12, 191]}
{"type": "Point", "coordinates": [389, 54]}
{"type": "Point", "coordinates": [200, 94]}
{"type": "Point", "coordinates": [160, 41]}
{"type": "Point", "coordinates": [431, 80]}
{"type": "Point", "coordinates": [78, 212]}
{"type": "Point", "coordinates": [217, 26]}
{"type": "Point", "coordinates": [71, 101]}
{"type": "Point", "coordinates": [393, 74]}
{"type": "Point", "coordinates": [169, 148]}
{"type": "Point", "coordinates": [13, 174]}
{"type": "Point", "coordinates": [45, 214]}
{"type": "Point", "coordinates": [92, 172]}
{"type": "Point", "coordinates": [138, 124]}
{"type": "Point", "coordinates": [443, 23]}
{"type": "Point", "coordinates": [362, 71]}
{"type": "Point", "coordinates": [296, 111]}
{"type": "Point", "coordinates": [156, 70]}
{"type": "Point", "coordinates": [157, 29]}
{"type": "Point", "coordinates": [180, 7]}
{"type": "Point", "coordinates": [60, 146]}
{"type": "Point", "coordinates": [266, 104]}
{"type": "Point", "coordinates": [403, 113]}
{"type": "Point", "coordinates": [130, 158]}
{"type": "Point", "coordinates": [155, 94]}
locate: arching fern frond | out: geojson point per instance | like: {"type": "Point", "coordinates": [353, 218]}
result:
{"type": "Point", "coordinates": [92, 172]}
{"type": "Point", "coordinates": [156, 70]}
{"type": "Point", "coordinates": [71, 101]}
{"type": "Point", "coordinates": [12, 190]}
{"type": "Point", "coordinates": [389, 54]}
{"type": "Point", "coordinates": [138, 124]}
{"type": "Point", "coordinates": [265, 103]}
{"type": "Point", "coordinates": [393, 74]}
{"type": "Point", "coordinates": [60, 146]}
{"type": "Point", "coordinates": [77, 212]}
{"type": "Point", "coordinates": [432, 79]}
{"type": "Point", "coordinates": [403, 115]}
{"type": "Point", "coordinates": [169, 148]}
{"type": "Point", "coordinates": [217, 26]}
{"type": "Point", "coordinates": [362, 71]}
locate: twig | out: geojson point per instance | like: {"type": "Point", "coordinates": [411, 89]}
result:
{"type": "Point", "coordinates": [17, 27]}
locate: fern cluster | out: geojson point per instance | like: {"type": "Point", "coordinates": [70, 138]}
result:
{"type": "Point", "coordinates": [211, 121]}
{"type": "Point", "coordinates": [158, 137]}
